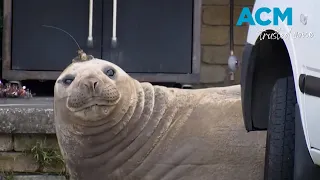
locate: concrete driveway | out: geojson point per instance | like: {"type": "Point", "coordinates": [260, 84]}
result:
{"type": "Point", "coordinates": [241, 153]}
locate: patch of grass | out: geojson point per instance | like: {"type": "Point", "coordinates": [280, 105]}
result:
{"type": "Point", "coordinates": [46, 157]}
{"type": "Point", "coordinates": [6, 175]}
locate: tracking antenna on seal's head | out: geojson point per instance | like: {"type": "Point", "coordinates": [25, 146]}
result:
{"type": "Point", "coordinates": [82, 56]}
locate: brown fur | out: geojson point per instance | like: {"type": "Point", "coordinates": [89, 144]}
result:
{"type": "Point", "coordinates": [139, 131]}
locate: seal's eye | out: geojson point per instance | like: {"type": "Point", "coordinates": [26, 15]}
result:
{"type": "Point", "coordinates": [67, 80]}
{"type": "Point", "coordinates": [110, 72]}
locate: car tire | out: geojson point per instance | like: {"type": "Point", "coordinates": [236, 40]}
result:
{"type": "Point", "coordinates": [279, 155]}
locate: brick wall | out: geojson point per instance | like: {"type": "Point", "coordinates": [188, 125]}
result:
{"type": "Point", "coordinates": [30, 157]}
{"type": "Point", "coordinates": [215, 41]}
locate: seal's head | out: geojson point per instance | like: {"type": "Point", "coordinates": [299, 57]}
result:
{"type": "Point", "coordinates": [91, 90]}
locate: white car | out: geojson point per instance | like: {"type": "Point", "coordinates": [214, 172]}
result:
{"type": "Point", "coordinates": [280, 88]}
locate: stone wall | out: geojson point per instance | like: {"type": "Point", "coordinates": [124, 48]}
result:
{"type": "Point", "coordinates": [30, 157]}
{"type": "Point", "coordinates": [215, 41]}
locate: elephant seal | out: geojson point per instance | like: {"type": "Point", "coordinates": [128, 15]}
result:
{"type": "Point", "coordinates": [111, 126]}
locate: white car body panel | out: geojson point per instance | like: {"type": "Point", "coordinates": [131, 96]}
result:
{"type": "Point", "coordinates": [303, 54]}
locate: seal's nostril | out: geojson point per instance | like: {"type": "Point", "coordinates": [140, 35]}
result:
{"type": "Point", "coordinates": [95, 85]}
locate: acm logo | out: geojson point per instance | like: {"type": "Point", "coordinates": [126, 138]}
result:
{"type": "Point", "coordinates": [252, 19]}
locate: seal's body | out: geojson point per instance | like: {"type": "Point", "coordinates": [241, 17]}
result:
{"type": "Point", "coordinates": [110, 126]}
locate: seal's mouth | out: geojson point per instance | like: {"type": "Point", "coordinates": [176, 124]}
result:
{"type": "Point", "coordinates": [92, 104]}
{"type": "Point", "coordinates": [89, 107]}
{"type": "Point", "coordinates": [94, 111]}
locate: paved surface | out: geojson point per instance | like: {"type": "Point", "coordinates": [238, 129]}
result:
{"type": "Point", "coordinates": [241, 153]}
